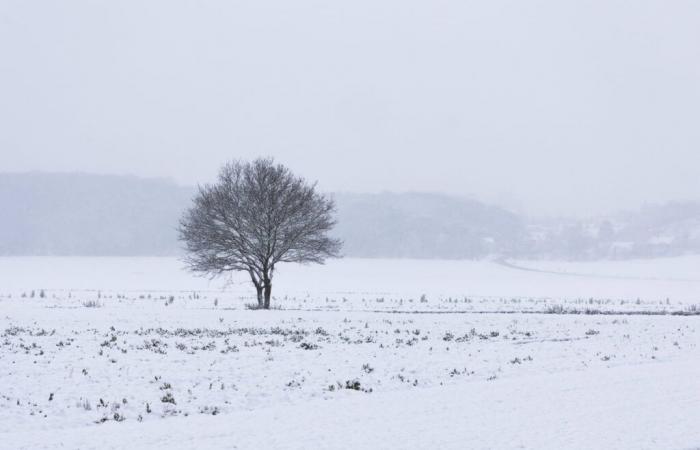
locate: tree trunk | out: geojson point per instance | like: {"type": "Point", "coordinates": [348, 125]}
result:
{"type": "Point", "coordinates": [268, 294]}
{"type": "Point", "coordinates": [258, 288]}
{"type": "Point", "coordinates": [261, 303]}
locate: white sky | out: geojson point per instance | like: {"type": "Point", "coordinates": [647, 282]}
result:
{"type": "Point", "coordinates": [553, 107]}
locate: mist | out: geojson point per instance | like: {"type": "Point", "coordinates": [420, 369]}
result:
{"type": "Point", "coordinates": [396, 224]}
{"type": "Point", "coordinates": [545, 108]}
{"type": "Point", "coordinates": [99, 215]}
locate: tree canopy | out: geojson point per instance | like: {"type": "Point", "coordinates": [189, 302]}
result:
{"type": "Point", "coordinates": [257, 215]}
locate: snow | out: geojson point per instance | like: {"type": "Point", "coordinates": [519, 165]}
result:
{"type": "Point", "coordinates": [684, 269]}
{"type": "Point", "coordinates": [650, 281]}
{"type": "Point", "coordinates": [635, 407]}
{"type": "Point", "coordinates": [87, 361]}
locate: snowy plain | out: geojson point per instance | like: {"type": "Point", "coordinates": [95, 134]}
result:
{"type": "Point", "coordinates": [136, 352]}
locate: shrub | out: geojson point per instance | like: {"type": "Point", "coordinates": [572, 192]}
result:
{"type": "Point", "coordinates": [168, 398]}
{"type": "Point", "coordinates": [92, 304]}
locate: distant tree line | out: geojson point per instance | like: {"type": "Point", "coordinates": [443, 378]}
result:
{"type": "Point", "coordinates": [78, 214]}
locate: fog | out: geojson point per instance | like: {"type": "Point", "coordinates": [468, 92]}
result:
{"type": "Point", "coordinates": [354, 224]}
{"type": "Point", "coordinates": [544, 107]}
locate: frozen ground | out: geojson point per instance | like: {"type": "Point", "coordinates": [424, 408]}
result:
{"type": "Point", "coordinates": [102, 353]}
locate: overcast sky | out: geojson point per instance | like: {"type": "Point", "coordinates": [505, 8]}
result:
{"type": "Point", "coordinates": [550, 107]}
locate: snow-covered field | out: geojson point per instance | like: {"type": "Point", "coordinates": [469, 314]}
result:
{"type": "Point", "coordinates": [134, 352]}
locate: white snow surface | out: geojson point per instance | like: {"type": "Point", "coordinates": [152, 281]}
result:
{"type": "Point", "coordinates": [136, 353]}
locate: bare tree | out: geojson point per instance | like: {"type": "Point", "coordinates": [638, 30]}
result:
{"type": "Point", "coordinates": [259, 214]}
